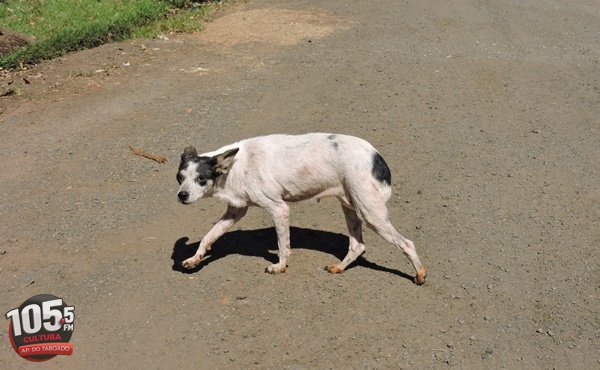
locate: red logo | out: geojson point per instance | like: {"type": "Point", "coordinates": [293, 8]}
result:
{"type": "Point", "coordinates": [41, 328]}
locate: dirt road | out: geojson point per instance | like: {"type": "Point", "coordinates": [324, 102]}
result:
{"type": "Point", "coordinates": [487, 113]}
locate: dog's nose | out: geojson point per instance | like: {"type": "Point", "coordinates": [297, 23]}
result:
{"type": "Point", "coordinates": [183, 195]}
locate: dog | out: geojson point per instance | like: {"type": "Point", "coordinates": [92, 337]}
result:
{"type": "Point", "coordinates": [269, 171]}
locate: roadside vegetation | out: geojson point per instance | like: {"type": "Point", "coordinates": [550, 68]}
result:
{"type": "Point", "coordinates": [58, 27]}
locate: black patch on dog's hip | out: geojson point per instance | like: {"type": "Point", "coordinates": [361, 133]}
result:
{"type": "Point", "coordinates": [381, 171]}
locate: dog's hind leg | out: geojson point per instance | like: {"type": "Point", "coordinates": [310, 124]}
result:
{"type": "Point", "coordinates": [231, 216]}
{"type": "Point", "coordinates": [369, 200]}
{"type": "Point", "coordinates": [356, 247]}
{"type": "Point", "coordinates": [280, 212]}
{"type": "Point", "coordinates": [378, 221]}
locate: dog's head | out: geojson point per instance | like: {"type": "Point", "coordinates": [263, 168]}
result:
{"type": "Point", "coordinates": [197, 174]}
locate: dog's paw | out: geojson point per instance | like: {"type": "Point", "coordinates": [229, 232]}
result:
{"type": "Point", "coordinates": [420, 276]}
{"type": "Point", "coordinates": [334, 268]}
{"type": "Point", "coordinates": [191, 262]}
{"type": "Point", "coordinates": [275, 268]}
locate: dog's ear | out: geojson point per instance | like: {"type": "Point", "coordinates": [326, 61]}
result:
{"type": "Point", "coordinates": [222, 162]}
{"type": "Point", "coordinates": [189, 153]}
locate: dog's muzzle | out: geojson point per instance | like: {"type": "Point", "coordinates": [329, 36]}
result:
{"type": "Point", "coordinates": [183, 196]}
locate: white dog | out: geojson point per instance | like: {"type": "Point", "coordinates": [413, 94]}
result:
{"type": "Point", "coordinates": [269, 171]}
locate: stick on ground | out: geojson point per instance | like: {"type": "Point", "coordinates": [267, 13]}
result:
{"type": "Point", "coordinates": [154, 157]}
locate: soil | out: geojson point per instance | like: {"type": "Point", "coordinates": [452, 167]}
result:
{"type": "Point", "coordinates": [486, 112]}
{"type": "Point", "coordinates": [11, 40]}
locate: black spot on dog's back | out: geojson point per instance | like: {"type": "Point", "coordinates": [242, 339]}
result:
{"type": "Point", "coordinates": [333, 142]}
{"type": "Point", "coordinates": [380, 170]}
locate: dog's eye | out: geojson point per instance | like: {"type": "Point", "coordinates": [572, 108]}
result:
{"type": "Point", "coordinates": [179, 178]}
{"type": "Point", "coordinates": [201, 181]}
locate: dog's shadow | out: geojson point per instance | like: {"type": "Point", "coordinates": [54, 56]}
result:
{"type": "Point", "coordinates": [263, 243]}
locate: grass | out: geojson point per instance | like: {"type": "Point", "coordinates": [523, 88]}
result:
{"type": "Point", "coordinates": [63, 26]}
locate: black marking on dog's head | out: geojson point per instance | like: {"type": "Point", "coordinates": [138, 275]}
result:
{"type": "Point", "coordinates": [380, 170]}
{"type": "Point", "coordinates": [204, 169]}
{"type": "Point", "coordinates": [189, 153]}
{"type": "Point", "coordinates": [207, 168]}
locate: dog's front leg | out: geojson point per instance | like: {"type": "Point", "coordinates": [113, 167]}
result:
{"type": "Point", "coordinates": [280, 212]}
{"type": "Point", "coordinates": [230, 217]}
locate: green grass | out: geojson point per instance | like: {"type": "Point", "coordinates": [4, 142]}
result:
{"type": "Point", "coordinates": [62, 26]}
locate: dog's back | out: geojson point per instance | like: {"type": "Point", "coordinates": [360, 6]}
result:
{"type": "Point", "coordinates": [301, 167]}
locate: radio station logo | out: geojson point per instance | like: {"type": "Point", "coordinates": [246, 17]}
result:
{"type": "Point", "coordinates": [41, 328]}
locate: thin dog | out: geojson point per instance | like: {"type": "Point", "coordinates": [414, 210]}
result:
{"type": "Point", "coordinates": [269, 171]}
